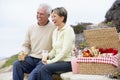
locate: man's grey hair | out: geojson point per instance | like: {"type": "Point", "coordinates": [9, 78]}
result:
{"type": "Point", "coordinates": [46, 6]}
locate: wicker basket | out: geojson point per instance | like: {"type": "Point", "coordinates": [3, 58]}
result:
{"type": "Point", "coordinates": [101, 38]}
{"type": "Point", "coordinates": [95, 68]}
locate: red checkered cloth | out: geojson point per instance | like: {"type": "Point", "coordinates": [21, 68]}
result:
{"type": "Point", "coordinates": [108, 60]}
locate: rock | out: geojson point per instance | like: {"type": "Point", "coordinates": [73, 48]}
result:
{"type": "Point", "coordinates": [6, 69]}
{"type": "Point", "coordinates": [5, 73]}
{"type": "Point", "coordinates": [6, 76]}
{"type": "Point", "coordinates": [2, 62]}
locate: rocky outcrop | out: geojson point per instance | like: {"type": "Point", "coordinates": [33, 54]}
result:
{"type": "Point", "coordinates": [113, 15]}
{"type": "Point", "coordinates": [5, 73]}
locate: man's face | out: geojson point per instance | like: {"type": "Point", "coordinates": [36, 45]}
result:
{"type": "Point", "coordinates": [42, 16]}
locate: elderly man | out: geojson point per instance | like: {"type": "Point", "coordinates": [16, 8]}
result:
{"type": "Point", "coordinates": [38, 38]}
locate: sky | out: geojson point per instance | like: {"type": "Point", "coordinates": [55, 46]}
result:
{"type": "Point", "coordinates": [17, 15]}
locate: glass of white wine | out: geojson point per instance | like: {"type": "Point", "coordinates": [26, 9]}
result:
{"type": "Point", "coordinates": [44, 55]}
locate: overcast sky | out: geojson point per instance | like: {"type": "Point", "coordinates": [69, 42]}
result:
{"type": "Point", "coordinates": [17, 15]}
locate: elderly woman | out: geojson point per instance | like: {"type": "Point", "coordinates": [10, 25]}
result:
{"type": "Point", "coordinates": [63, 41]}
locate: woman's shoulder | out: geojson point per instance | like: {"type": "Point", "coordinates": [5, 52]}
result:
{"type": "Point", "coordinates": [68, 27]}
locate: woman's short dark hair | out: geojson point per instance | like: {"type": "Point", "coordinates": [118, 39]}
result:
{"type": "Point", "coordinates": [61, 11]}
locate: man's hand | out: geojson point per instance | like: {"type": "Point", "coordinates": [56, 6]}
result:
{"type": "Point", "coordinates": [21, 56]}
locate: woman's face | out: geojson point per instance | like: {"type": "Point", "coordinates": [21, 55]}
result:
{"type": "Point", "coordinates": [56, 19]}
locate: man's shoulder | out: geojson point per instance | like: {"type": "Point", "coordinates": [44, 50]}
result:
{"type": "Point", "coordinates": [32, 25]}
{"type": "Point", "coordinates": [51, 25]}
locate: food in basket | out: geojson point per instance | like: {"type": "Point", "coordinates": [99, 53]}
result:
{"type": "Point", "coordinates": [99, 52]}
{"type": "Point", "coordinates": [87, 53]}
{"type": "Point", "coordinates": [108, 51]}
{"type": "Point", "coordinates": [91, 52]}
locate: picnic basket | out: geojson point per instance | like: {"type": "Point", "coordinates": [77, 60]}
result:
{"type": "Point", "coordinates": [101, 38]}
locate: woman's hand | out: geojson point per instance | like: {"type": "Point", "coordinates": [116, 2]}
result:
{"type": "Point", "coordinates": [44, 62]}
{"type": "Point", "coordinates": [44, 58]}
